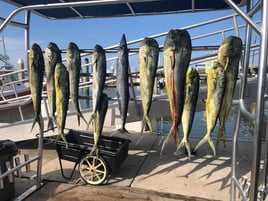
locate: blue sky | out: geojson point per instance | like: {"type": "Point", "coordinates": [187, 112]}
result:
{"type": "Point", "coordinates": [88, 32]}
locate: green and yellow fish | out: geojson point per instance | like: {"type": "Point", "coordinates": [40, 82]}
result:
{"type": "Point", "coordinates": [216, 81]}
{"type": "Point", "coordinates": [190, 100]}
{"type": "Point", "coordinates": [148, 61]}
{"type": "Point", "coordinates": [62, 98]}
{"type": "Point", "coordinates": [228, 56]}
{"type": "Point", "coordinates": [36, 71]}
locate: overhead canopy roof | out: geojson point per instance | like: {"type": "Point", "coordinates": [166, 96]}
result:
{"type": "Point", "coordinates": [64, 9]}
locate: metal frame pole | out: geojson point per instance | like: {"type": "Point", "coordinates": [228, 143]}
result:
{"type": "Point", "coordinates": [259, 117]}
{"type": "Point", "coordinates": [240, 109]}
{"type": "Point", "coordinates": [27, 36]}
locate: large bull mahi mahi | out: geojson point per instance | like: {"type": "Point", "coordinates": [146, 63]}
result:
{"type": "Point", "coordinates": [62, 98]}
{"type": "Point", "coordinates": [36, 70]}
{"type": "Point", "coordinates": [122, 83]}
{"type": "Point", "coordinates": [216, 80]}
{"type": "Point", "coordinates": [229, 56]}
{"type": "Point", "coordinates": [148, 60]}
{"type": "Point", "coordinates": [74, 68]}
{"type": "Point", "coordinates": [99, 77]}
{"type": "Point", "coordinates": [52, 57]}
{"type": "Point", "coordinates": [190, 100]}
{"type": "Point", "coordinates": [177, 54]}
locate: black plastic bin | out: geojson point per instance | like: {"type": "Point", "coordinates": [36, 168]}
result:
{"type": "Point", "coordinates": [8, 149]}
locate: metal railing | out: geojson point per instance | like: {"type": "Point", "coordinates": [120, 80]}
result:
{"type": "Point", "coordinates": [197, 58]}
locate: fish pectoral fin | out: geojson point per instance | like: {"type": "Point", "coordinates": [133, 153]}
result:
{"type": "Point", "coordinates": [227, 63]}
{"type": "Point", "coordinates": [172, 60]}
{"type": "Point", "coordinates": [145, 60]}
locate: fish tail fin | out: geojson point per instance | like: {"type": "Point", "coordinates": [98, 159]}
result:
{"type": "Point", "coordinates": [172, 133]}
{"type": "Point", "coordinates": [38, 119]}
{"type": "Point", "coordinates": [92, 117]}
{"type": "Point", "coordinates": [35, 120]}
{"type": "Point", "coordinates": [50, 124]}
{"type": "Point", "coordinates": [185, 142]}
{"type": "Point", "coordinates": [165, 142]}
{"type": "Point", "coordinates": [122, 130]}
{"type": "Point", "coordinates": [61, 136]}
{"type": "Point", "coordinates": [149, 123]}
{"type": "Point", "coordinates": [94, 151]}
{"type": "Point", "coordinates": [175, 133]}
{"type": "Point", "coordinates": [82, 117]}
{"type": "Point", "coordinates": [221, 136]}
{"type": "Point", "coordinates": [208, 139]}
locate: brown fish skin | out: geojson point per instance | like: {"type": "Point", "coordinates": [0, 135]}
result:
{"type": "Point", "coordinates": [229, 57]}
{"type": "Point", "coordinates": [36, 71]}
{"type": "Point", "coordinates": [99, 78]}
{"type": "Point", "coordinates": [99, 122]}
{"type": "Point", "coordinates": [177, 54]}
{"type": "Point", "coordinates": [52, 57]}
{"type": "Point", "coordinates": [62, 98]}
{"type": "Point", "coordinates": [148, 62]}
{"type": "Point", "coordinates": [74, 68]}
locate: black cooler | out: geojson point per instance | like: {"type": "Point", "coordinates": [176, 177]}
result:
{"type": "Point", "coordinates": [8, 149]}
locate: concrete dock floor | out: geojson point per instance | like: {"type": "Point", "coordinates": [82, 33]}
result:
{"type": "Point", "coordinates": [144, 175]}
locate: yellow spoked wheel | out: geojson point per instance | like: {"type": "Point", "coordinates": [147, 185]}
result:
{"type": "Point", "coordinates": [93, 170]}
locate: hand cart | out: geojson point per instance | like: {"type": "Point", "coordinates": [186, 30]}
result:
{"type": "Point", "coordinates": [92, 169]}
